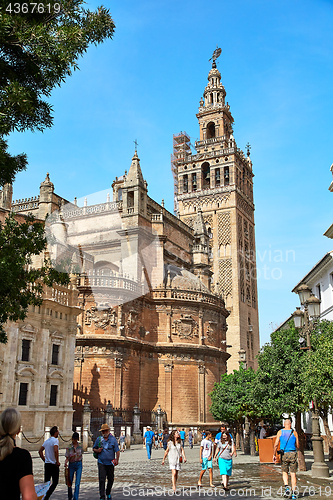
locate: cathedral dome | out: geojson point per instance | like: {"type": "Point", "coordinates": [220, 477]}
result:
{"type": "Point", "coordinates": [185, 280]}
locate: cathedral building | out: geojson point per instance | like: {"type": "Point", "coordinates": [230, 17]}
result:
{"type": "Point", "coordinates": [164, 301]}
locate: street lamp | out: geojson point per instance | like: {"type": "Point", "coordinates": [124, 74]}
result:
{"type": "Point", "coordinates": [305, 321]}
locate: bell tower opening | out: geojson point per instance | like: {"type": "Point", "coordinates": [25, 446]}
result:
{"type": "Point", "coordinates": [205, 169]}
{"type": "Point", "coordinates": [210, 133]}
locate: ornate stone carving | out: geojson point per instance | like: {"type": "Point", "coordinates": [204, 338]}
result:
{"type": "Point", "coordinates": [185, 327]}
{"type": "Point", "coordinates": [28, 328]}
{"type": "Point", "coordinates": [118, 359]}
{"type": "Point", "coordinates": [225, 277]}
{"type": "Point", "coordinates": [168, 367]}
{"type": "Point", "coordinates": [211, 332]}
{"type": "Point", "coordinates": [224, 228]}
{"type": "Point", "coordinates": [132, 322]}
{"type": "Point", "coordinates": [201, 368]}
{"type": "Point", "coordinates": [101, 318]}
{"type": "Point", "coordinates": [244, 206]}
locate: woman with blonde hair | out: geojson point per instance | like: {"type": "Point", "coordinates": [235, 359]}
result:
{"type": "Point", "coordinates": [15, 463]}
{"type": "Point", "coordinates": [176, 456]}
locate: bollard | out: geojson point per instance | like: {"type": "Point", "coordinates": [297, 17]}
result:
{"type": "Point", "coordinates": [47, 433]}
{"type": "Point", "coordinates": [78, 430]}
{"type": "Point", "coordinates": [18, 439]}
{"type": "Point", "coordinates": [85, 439]}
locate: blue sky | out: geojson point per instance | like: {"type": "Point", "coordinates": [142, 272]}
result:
{"type": "Point", "coordinates": [146, 83]}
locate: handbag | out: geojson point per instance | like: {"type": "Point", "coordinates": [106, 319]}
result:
{"type": "Point", "coordinates": [67, 479]}
{"type": "Point", "coordinates": [95, 455]}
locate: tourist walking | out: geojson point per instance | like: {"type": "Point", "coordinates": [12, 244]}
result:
{"type": "Point", "coordinates": [224, 453]}
{"type": "Point", "coordinates": [206, 457]}
{"type": "Point", "coordinates": [190, 438]}
{"type": "Point", "coordinates": [122, 439]}
{"type": "Point", "coordinates": [49, 453]}
{"type": "Point", "coordinates": [74, 462]}
{"type": "Point", "coordinates": [15, 464]}
{"type": "Point", "coordinates": [224, 429]}
{"type": "Point", "coordinates": [156, 440]}
{"type": "Point", "coordinates": [165, 438]}
{"type": "Point", "coordinates": [108, 456]}
{"type": "Point", "coordinates": [182, 434]}
{"type": "Point", "coordinates": [149, 440]}
{"type": "Point", "coordinates": [176, 455]}
{"type": "Point", "coordinates": [160, 438]}
{"type": "Point", "coordinates": [288, 439]}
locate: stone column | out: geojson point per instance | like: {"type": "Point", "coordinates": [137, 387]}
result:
{"type": "Point", "coordinates": [169, 326]}
{"type": "Point", "coordinates": [86, 415]}
{"type": "Point", "coordinates": [201, 392]}
{"type": "Point", "coordinates": [137, 437]}
{"type": "Point", "coordinates": [168, 367]}
{"type": "Point", "coordinates": [85, 438]}
{"type": "Point", "coordinates": [109, 411]}
{"type": "Point", "coordinates": [159, 418]}
{"type": "Point", "coordinates": [120, 326]}
{"type": "Point", "coordinates": [201, 330]}
{"type": "Point", "coordinates": [118, 363]}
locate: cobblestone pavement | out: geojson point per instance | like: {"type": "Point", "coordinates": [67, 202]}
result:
{"type": "Point", "coordinates": [137, 477]}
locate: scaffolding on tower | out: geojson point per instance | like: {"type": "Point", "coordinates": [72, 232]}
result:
{"type": "Point", "coordinates": [181, 150]}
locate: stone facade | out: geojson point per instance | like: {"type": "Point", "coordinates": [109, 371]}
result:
{"type": "Point", "coordinates": [37, 365]}
{"type": "Point", "coordinates": [152, 332]}
{"type": "Point", "coordinates": [218, 180]}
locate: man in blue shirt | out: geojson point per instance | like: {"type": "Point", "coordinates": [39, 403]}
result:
{"type": "Point", "coordinates": [108, 456]}
{"type": "Point", "coordinates": [149, 439]}
{"type": "Point", "coordinates": [289, 445]}
{"type": "Point", "coordinates": [182, 434]}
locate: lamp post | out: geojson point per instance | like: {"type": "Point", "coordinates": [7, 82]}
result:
{"type": "Point", "coordinates": [305, 320]}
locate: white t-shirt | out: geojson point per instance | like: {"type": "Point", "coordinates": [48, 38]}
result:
{"type": "Point", "coordinates": [207, 447]}
{"type": "Point", "coordinates": [48, 446]}
{"type": "Point", "coordinates": [262, 433]}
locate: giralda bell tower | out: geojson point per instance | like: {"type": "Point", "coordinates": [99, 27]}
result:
{"type": "Point", "coordinates": [218, 181]}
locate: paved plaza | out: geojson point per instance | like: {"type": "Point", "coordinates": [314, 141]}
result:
{"type": "Point", "coordinates": [137, 477]}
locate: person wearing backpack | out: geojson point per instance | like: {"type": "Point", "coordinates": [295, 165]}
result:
{"type": "Point", "coordinates": [107, 451]}
{"type": "Point", "coordinates": [288, 439]}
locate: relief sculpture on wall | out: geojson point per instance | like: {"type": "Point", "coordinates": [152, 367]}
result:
{"type": "Point", "coordinates": [185, 327]}
{"type": "Point", "coordinates": [211, 332]}
{"type": "Point", "coordinates": [101, 318]}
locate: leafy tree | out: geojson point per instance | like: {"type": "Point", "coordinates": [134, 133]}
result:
{"type": "Point", "coordinates": [21, 285]}
{"type": "Point", "coordinates": [280, 379]}
{"type": "Point", "coordinates": [233, 398]}
{"type": "Point", "coordinates": [38, 50]}
{"type": "Point", "coordinates": [318, 374]}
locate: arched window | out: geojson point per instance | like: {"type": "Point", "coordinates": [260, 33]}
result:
{"type": "Point", "coordinates": [210, 130]}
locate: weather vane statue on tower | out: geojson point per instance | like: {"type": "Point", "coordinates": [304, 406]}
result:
{"type": "Point", "coordinates": [217, 52]}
